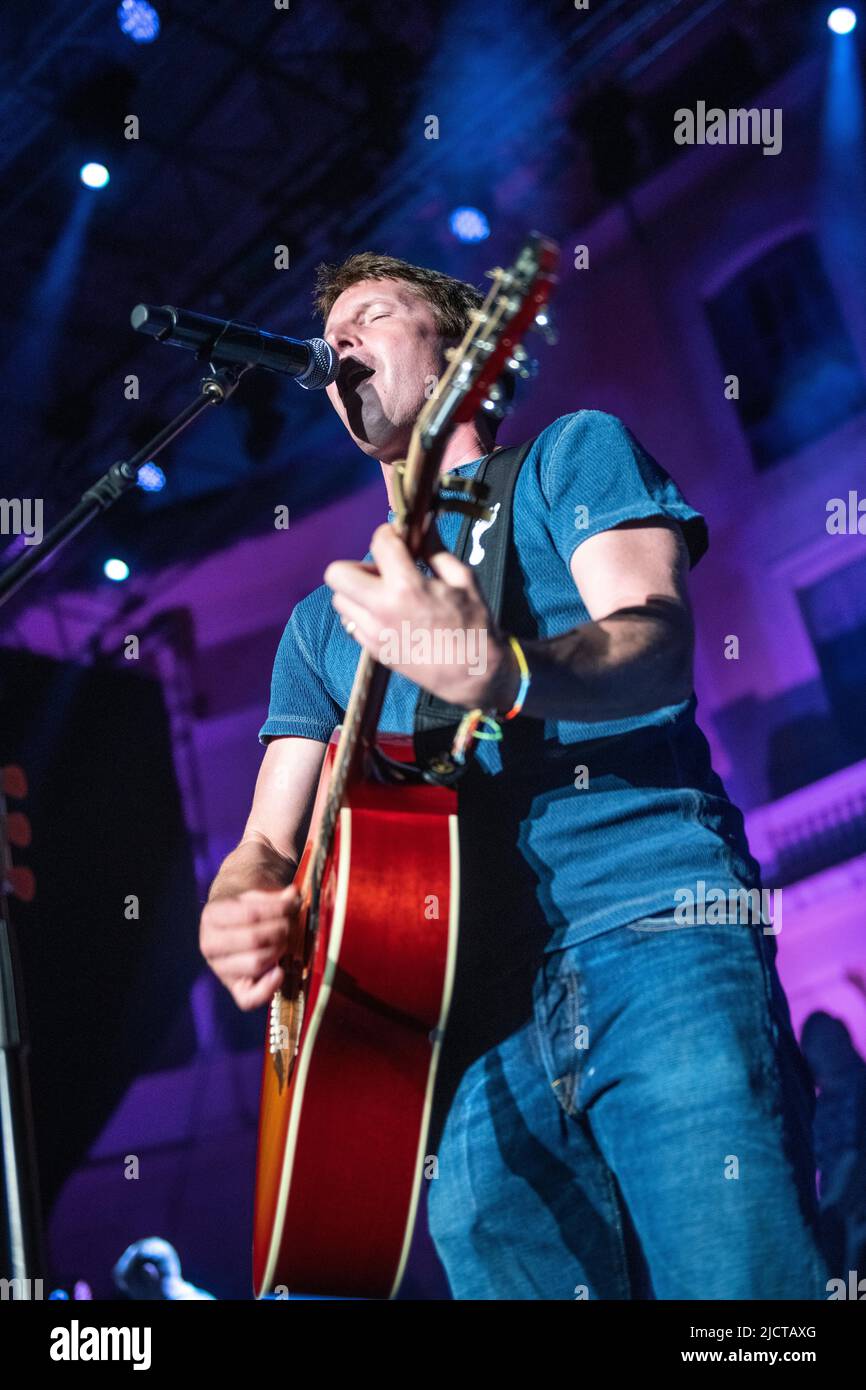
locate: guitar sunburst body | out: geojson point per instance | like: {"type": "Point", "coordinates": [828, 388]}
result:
{"type": "Point", "coordinates": [348, 1078]}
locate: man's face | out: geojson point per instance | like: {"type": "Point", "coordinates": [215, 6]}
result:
{"type": "Point", "coordinates": [386, 337]}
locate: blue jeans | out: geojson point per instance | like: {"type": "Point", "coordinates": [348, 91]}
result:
{"type": "Point", "coordinates": [647, 1133]}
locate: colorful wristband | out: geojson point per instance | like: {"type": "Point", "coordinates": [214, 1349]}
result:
{"type": "Point", "coordinates": [525, 678]}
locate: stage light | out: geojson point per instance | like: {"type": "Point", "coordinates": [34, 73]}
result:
{"type": "Point", "coordinates": [138, 20]}
{"type": "Point", "coordinates": [118, 570]}
{"type": "Point", "coordinates": [469, 224]}
{"type": "Point", "coordinates": [841, 20]}
{"type": "Point", "coordinates": [150, 478]}
{"type": "Point", "coordinates": [94, 175]}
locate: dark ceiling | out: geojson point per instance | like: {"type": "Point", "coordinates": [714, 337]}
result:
{"type": "Point", "coordinates": [301, 127]}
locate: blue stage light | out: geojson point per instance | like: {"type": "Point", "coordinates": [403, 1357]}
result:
{"type": "Point", "coordinates": [842, 20]}
{"type": "Point", "coordinates": [94, 175]}
{"type": "Point", "coordinates": [150, 478]}
{"type": "Point", "coordinates": [118, 570]}
{"type": "Point", "coordinates": [138, 20]}
{"type": "Point", "coordinates": [469, 224]}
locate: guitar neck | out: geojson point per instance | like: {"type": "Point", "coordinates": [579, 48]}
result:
{"type": "Point", "coordinates": [356, 737]}
{"type": "Point", "coordinates": [371, 677]}
{"type": "Point", "coordinates": [361, 721]}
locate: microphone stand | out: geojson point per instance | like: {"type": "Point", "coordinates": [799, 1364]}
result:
{"type": "Point", "coordinates": [22, 1250]}
{"type": "Point", "coordinates": [121, 476]}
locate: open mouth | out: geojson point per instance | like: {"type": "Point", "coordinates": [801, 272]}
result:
{"type": "Point", "coordinates": [352, 373]}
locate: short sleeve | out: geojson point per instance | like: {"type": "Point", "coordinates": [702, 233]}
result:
{"type": "Point", "coordinates": [300, 704]}
{"type": "Point", "coordinates": [596, 475]}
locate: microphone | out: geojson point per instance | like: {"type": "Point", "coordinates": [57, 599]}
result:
{"type": "Point", "coordinates": [311, 361]}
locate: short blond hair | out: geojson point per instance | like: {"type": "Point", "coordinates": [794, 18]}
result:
{"type": "Point", "coordinates": [452, 301]}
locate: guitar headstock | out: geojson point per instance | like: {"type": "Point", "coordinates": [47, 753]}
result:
{"type": "Point", "coordinates": [516, 298]}
{"type": "Point", "coordinates": [515, 302]}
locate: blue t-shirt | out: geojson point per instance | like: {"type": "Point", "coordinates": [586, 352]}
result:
{"type": "Point", "coordinates": [567, 829]}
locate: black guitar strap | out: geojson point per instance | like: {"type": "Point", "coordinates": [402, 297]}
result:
{"type": "Point", "coordinates": [486, 547]}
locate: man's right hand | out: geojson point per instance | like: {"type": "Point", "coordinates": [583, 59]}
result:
{"type": "Point", "coordinates": [243, 939]}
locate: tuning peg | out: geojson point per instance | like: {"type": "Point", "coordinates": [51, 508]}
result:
{"type": "Point", "coordinates": [544, 323]}
{"type": "Point", "coordinates": [521, 364]}
{"type": "Point", "coordinates": [495, 403]}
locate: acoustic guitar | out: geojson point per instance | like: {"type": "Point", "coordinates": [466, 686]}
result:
{"type": "Point", "coordinates": [355, 1031]}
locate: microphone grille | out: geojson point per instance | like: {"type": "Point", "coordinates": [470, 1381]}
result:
{"type": "Point", "coordinates": [323, 368]}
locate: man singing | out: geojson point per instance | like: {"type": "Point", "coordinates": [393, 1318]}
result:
{"type": "Point", "coordinates": [622, 1108]}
